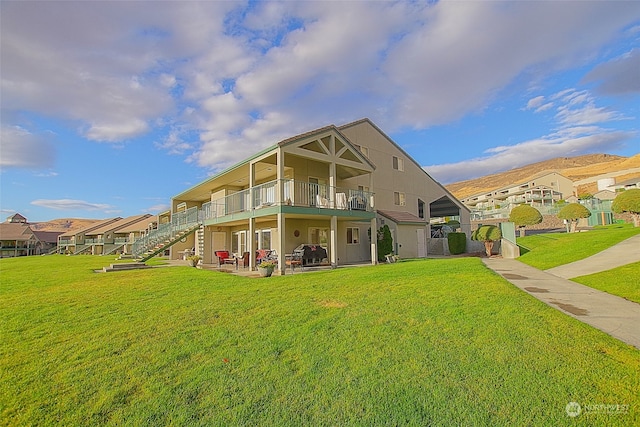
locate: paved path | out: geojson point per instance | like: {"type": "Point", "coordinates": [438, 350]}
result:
{"type": "Point", "coordinates": [616, 316]}
{"type": "Point", "coordinates": [623, 253]}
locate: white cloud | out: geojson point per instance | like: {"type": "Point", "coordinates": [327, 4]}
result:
{"type": "Point", "coordinates": [70, 204]}
{"type": "Point", "coordinates": [535, 103]}
{"type": "Point", "coordinates": [241, 77]}
{"type": "Point", "coordinates": [580, 110]}
{"type": "Point", "coordinates": [508, 157]}
{"type": "Point", "coordinates": [578, 121]}
{"type": "Point", "coordinates": [158, 208]}
{"type": "Point", "coordinates": [23, 149]}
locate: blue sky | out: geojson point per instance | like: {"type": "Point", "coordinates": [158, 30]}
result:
{"type": "Point", "coordinates": [111, 108]}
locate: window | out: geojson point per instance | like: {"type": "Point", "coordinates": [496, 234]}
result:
{"type": "Point", "coordinates": [263, 239]}
{"type": "Point", "coordinates": [398, 163]}
{"type": "Point", "coordinates": [398, 198]}
{"type": "Point", "coordinates": [353, 235]}
{"type": "Point", "coordinates": [420, 209]}
{"type": "Point", "coordinates": [363, 150]}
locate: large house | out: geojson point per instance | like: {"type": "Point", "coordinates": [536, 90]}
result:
{"type": "Point", "coordinates": [17, 238]}
{"type": "Point", "coordinates": [329, 189]}
{"type": "Point", "coordinates": [543, 189]}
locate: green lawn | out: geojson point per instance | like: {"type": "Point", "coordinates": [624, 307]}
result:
{"type": "Point", "coordinates": [554, 249]}
{"type": "Point", "coordinates": [622, 281]}
{"type": "Point", "coordinates": [429, 342]}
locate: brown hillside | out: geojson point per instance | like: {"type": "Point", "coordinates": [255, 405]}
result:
{"type": "Point", "coordinates": [63, 224]}
{"type": "Point", "coordinates": [574, 168]}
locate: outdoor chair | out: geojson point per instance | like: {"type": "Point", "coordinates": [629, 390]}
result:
{"type": "Point", "coordinates": [224, 258]}
{"type": "Point", "coordinates": [294, 260]}
{"type": "Point", "coordinates": [244, 261]}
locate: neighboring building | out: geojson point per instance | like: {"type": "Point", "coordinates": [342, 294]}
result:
{"type": "Point", "coordinates": [17, 219]}
{"type": "Point", "coordinates": [605, 195]}
{"type": "Point", "coordinates": [128, 234]}
{"type": "Point", "coordinates": [18, 239]}
{"type": "Point", "coordinates": [542, 190]}
{"type": "Point", "coordinates": [627, 184]}
{"type": "Point", "coordinates": [113, 236]}
{"type": "Point", "coordinates": [48, 240]}
{"type": "Point", "coordinates": [73, 242]}
{"type": "Point", "coordinates": [332, 187]}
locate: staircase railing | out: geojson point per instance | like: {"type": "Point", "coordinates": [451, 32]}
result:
{"type": "Point", "coordinates": [180, 221]}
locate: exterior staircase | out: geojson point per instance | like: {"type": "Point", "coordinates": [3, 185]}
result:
{"type": "Point", "coordinates": [84, 249]}
{"type": "Point", "coordinates": [166, 235]}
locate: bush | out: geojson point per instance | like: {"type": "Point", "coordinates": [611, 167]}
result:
{"type": "Point", "coordinates": [385, 243]}
{"type": "Point", "coordinates": [487, 234]}
{"type": "Point", "coordinates": [628, 201]}
{"type": "Point", "coordinates": [524, 215]}
{"type": "Point", "coordinates": [457, 243]}
{"type": "Point", "coordinates": [572, 213]}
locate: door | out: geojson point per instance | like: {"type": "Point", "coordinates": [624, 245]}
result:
{"type": "Point", "coordinates": [218, 241]}
{"type": "Point", "coordinates": [422, 242]}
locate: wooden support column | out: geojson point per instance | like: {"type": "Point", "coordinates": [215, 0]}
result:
{"type": "Point", "coordinates": [374, 241]}
{"type": "Point", "coordinates": [251, 243]}
{"type": "Point", "coordinates": [333, 237]}
{"type": "Point", "coordinates": [282, 266]}
{"type": "Point", "coordinates": [252, 222]}
{"type": "Point", "coordinates": [332, 173]}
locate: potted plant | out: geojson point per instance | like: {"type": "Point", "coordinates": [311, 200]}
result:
{"type": "Point", "coordinates": [265, 268]}
{"type": "Point", "coordinates": [194, 260]}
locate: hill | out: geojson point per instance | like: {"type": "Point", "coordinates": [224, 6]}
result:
{"type": "Point", "coordinates": [62, 225]}
{"type": "Point", "coordinates": [579, 168]}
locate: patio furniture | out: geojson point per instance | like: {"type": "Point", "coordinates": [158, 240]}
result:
{"type": "Point", "coordinates": [244, 261]}
{"type": "Point", "coordinates": [294, 260]}
{"type": "Point", "coordinates": [225, 258]}
{"type": "Point", "coordinates": [311, 254]}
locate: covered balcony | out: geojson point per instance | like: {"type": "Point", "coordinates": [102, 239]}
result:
{"type": "Point", "coordinates": [288, 195]}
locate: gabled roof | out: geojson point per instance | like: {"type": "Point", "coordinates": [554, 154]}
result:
{"type": "Point", "coordinates": [16, 218]}
{"type": "Point", "coordinates": [141, 224]}
{"type": "Point", "coordinates": [15, 231]}
{"type": "Point", "coordinates": [47, 236]}
{"type": "Point", "coordinates": [392, 142]}
{"type": "Point", "coordinates": [630, 181]}
{"type": "Point", "coordinates": [90, 228]}
{"type": "Point", "coordinates": [281, 144]}
{"type": "Point", "coordinates": [115, 226]}
{"type": "Point", "coordinates": [402, 217]}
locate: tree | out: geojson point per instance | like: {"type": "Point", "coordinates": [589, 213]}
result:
{"type": "Point", "coordinates": [487, 234]}
{"type": "Point", "coordinates": [628, 201]}
{"type": "Point", "coordinates": [524, 215]}
{"type": "Point", "coordinates": [385, 243]}
{"type": "Point", "coordinates": [572, 213]}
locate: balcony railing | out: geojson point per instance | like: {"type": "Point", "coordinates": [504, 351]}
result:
{"type": "Point", "coordinates": [179, 221]}
{"type": "Point", "coordinates": [294, 193]}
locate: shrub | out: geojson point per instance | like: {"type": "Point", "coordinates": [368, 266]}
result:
{"type": "Point", "coordinates": [487, 234]}
{"type": "Point", "coordinates": [457, 243]}
{"type": "Point", "coordinates": [628, 201]}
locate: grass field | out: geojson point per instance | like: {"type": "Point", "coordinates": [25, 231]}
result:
{"type": "Point", "coordinates": [551, 250]}
{"type": "Point", "coordinates": [429, 342]}
{"type": "Point", "coordinates": [622, 281]}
